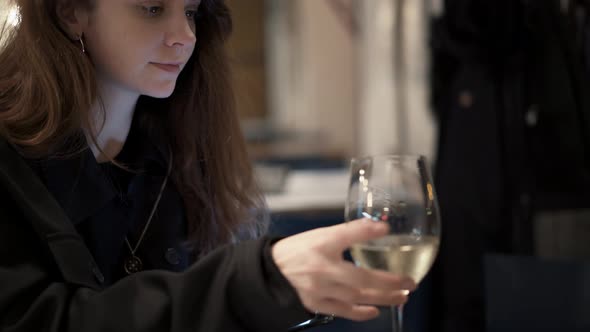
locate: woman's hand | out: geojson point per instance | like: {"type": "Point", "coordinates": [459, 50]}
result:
{"type": "Point", "coordinates": [326, 283]}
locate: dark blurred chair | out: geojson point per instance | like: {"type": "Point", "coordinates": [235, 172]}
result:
{"type": "Point", "coordinates": [531, 294]}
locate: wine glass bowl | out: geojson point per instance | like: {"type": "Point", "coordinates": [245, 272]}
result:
{"type": "Point", "coordinates": [398, 190]}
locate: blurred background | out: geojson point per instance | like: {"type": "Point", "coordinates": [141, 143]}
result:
{"type": "Point", "coordinates": [318, 75]}
{"type": "Point", "coordinates": [321, 81]}
{"type": "Point", "coordinates": [496, 94]}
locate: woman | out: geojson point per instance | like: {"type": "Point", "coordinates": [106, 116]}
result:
{"type": "Point", "coordinates": [127, 200]}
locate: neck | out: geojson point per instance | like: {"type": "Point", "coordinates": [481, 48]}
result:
{"type": "Point", "coordinates": [112, 115]}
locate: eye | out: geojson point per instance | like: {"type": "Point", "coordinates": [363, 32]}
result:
{"type": "Point", "coordinates": [153, 11]}
{"type": "Point", "coordinates": [191, 14]}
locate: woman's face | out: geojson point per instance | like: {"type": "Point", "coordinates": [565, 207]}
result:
{"type": "Point", "coordinates": [141, 45]}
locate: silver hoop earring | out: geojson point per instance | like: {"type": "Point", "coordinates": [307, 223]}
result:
{"type": "Point", "coordinates": [81, 40]}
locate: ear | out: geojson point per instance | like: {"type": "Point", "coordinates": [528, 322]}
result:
{"type": "Point", "coordinates": [73, 18]}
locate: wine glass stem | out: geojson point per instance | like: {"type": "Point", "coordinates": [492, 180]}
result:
{"type": "Point", "coordinates": [397, 318]}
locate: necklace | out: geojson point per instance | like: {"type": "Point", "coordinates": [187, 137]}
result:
{"type": "Point", "coordinates": [133, 264]}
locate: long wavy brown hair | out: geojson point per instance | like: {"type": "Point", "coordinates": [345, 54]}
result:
{"type": "Point", "coordinates": [47, 88]}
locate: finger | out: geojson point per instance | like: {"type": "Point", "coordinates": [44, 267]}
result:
{"type": "Point", "coordinates": [361, 230]}
{"type": "Point", "coordinates": [364, 296]}
{"type": "Point", "coordinates": [350, 275]}
{"type": "Point", "coordinates": [383, 298]}
{"type": "Point", "coordinates": [349, 311]}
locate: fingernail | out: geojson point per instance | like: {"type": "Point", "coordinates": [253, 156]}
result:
{"type": "Point", "coordinates": [409, 285]}
{"type": "Point", "coordinates": [376, 313]}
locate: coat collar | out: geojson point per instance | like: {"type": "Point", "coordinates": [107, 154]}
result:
{"type": "Point", "coordinates": [49, 221]}
{"type": "Point", "coordinates": [43, 210]}
{"type": "Point", "coordinates": [74, 180]}
{"type": "Point", "coordinates": [30, 194]}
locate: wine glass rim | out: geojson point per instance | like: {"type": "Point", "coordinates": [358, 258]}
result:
{"type": "Point", "coordinates": [391, 156]}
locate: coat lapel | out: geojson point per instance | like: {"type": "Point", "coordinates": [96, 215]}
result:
{"type": "Point", "coordinates": [48, 219]}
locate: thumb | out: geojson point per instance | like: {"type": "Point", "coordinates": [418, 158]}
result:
{"type": "Point", "coordinates": [346, 234]}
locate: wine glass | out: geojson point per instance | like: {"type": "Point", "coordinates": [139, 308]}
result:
{"type": "Point", "coordinates": [398, 190]}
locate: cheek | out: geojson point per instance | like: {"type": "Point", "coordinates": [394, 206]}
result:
{"type": "Point", "coordinates": [119, 57]}
{"type": "Point", "coordinates": [124, 59]}
{"type": "Point", "coordinates": [116, 44]}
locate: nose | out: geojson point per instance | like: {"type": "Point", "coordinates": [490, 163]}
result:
{"type": "Point", "coordinates": [181, 33]}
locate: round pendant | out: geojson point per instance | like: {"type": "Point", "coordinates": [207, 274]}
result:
{"type": "Point", "coordinates": [133, 265]}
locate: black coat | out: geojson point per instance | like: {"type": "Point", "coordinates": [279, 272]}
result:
{"type": "Point", "coordinates": [511, 93]}
{"type": "Point", "coordinates": [49, 280]}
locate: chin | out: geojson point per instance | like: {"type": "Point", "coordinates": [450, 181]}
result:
{"type": "Point", "coordinates": [162, 91]}
{"type": "Point", "coordinates": [161, 94]}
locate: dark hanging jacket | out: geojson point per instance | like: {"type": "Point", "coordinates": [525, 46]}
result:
{"type": "Point", "coordinates": [511, 96]}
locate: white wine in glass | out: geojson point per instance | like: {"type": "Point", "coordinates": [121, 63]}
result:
{"type": "Point", "coordinates": [398, 190]}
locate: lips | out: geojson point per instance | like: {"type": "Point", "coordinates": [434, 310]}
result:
{"type": "Point", "coordinates": [168, 67]}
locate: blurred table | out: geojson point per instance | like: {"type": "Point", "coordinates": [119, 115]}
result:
{"type": "Point", "coordinates": [311, 190]}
